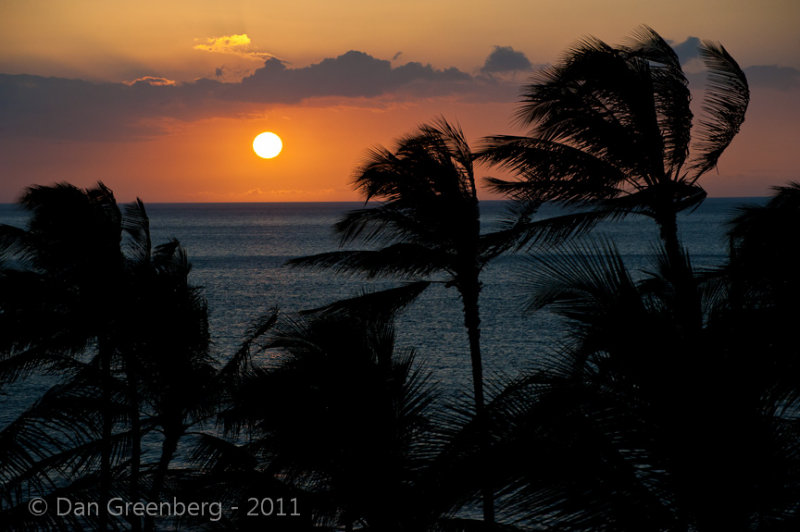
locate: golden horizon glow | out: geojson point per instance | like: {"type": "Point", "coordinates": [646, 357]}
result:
{"type": "Point", "coordinates": [267, 145]}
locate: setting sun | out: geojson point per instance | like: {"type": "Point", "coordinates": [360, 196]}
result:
{"type": "Point", "coordinates": [267, 145]}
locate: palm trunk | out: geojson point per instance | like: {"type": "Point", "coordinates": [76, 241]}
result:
{"type": "Point", "coordinates": [687, 303]}
{"type": "Point", "coordinates": [168, 448]}
{"type": "Point", "coordinates": [136, 445]}
{"type": "Point", "coordinates": [105, 449]}
{"type": "Point", "coordinates": [668, 229]}
{"type": "Point", "coordinates": [469, 296]}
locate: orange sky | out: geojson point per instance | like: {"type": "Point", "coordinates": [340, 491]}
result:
{"type": "Point", "coordinates": [191, 141]}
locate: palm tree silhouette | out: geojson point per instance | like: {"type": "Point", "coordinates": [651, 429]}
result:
{"type": "Point", "coordinates": [163, 343]}
{"type": "Point", "coordinates": [337, 415]}
{"type": "Point", "coordinates": [760, 285]}
{"type": "Point", "coordinates": [73, 284]}
{"type": "Point", "coordinates": [643, 420]}
{"type": "Point", "coordinates": [428, 222]}
{"type": "Point", "coordinates": [72, 245]}
{"type": "Point", "coordinates": [612, 129]}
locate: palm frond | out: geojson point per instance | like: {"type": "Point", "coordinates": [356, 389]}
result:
{"type": "Point", "coordinates": [583, 279]}
{"type": "Point", "coordinates": [670, 93]}
{"type": "Point", "coordinates": [402, 220]}
{"type": "Point", "coordinates": [404, 260]}
{"type": "Point", "coordinates": [136, 224]}
{"type": "Point", "coordinates": [551, 170]}
{"type": "Point", "coordinates": [377, 305]}
{"type": "Point", "coordinates": [599, 100]}
{"type": "Point", "coordinates": [725, 103]}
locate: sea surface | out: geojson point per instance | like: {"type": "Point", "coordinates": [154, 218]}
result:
{"type": "Point", "coordinates": [238, 252]}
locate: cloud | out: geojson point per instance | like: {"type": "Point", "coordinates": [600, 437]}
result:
{"type": "Point", "coordinates": [74, 109]}
{"type": "Point", "coordinates": [767, 76]}
{"type": "Point", "coordinates": [83, 110]}
{"type": "Point", "coordinates": [228, 44]}
{"type": "Point", "coordinates": [353, 74]}
{"type": "Point", "coordinates": [773, 76]}
{"type": "Point", "coordinates": [687, 50]}
{"type": "Point", "coordinates": [780, 78]}
{"type": "Point", "coordinates": [237, 44]}
{"type": "Point", "coordinates": [505, 59]}
{"type": "Point", "coordinates": [152, 81]}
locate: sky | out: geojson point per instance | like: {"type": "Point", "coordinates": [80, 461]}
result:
{"type": "Point", "coordinates": [161, 99]}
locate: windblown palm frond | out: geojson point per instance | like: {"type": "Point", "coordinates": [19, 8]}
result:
{"type": "Point", "coordinates": [407, 260]}
{"type": "Point", "coordinates": [136, 223]}
{"type": "Point", "coordinates": [615, 122]}
{"type": "Point", "coordinates": [381, 305]}
{"type": "Point", "coordinates": [725, 103]}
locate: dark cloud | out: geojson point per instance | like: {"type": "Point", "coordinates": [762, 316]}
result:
{"type": "Point", "coordinates": [758, 77]}
{"type": "Point", "coordinates": [772, 76]}
{"type": "Point", "coordinates": [768, 76]}
{"type": "Point", "coordinates": [505, 59]}
{"type": "Point", "coordinates": [35, 106]}
{"type": "Point", "coordinates": [352, 74]}
{"type": "Point", "coordinates": [79, 109]}
{"type": "Point", "coordinates": [687, 50]}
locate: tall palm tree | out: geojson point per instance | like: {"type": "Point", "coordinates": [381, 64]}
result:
{"type": "Point", "coordinates": [643, 421]}
{"type": "Point", "coordinates": [427, 222]}
{"type": "Point", "coordinates": [163, 344]}
{"type": "Point", "coordinates": [612, 130]}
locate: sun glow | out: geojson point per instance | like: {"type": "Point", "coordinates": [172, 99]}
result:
{"type": "Point", "coordinates": [267, 145]}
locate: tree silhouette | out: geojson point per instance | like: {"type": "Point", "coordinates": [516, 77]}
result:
{"type": "Point", "coordinates": [428, 222]}
{"type": "Point", "coordinates": [124, 322]}
{"type": "Point", "coordinates": [644, 420]}
{"type": "Point", "coordinates": [337, 415]}
{"type": "Point", "coordinates": [612, 131]}
{"type": "Point", "coordinates": [72, 245]}
{"type": "Point", "coordinates": [163, 341]}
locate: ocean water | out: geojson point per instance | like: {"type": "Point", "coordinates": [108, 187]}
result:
{"type": "Point", "coordinates": [238, 252]}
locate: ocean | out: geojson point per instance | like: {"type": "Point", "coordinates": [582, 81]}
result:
{"type": "Point", "coordinates": [238, 252]}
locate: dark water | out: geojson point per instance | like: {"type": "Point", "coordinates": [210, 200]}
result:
{"type": "Point", "coordinates": [238, 252]}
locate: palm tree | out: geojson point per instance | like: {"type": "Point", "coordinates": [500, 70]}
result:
{"type": "Point", "coordinates": [72, 282]}
{"type": "Point", "coordinates": [643, 421]}
{"type": "Point", "coordinates": [761, 287]}
{"type": "Point", "coordinates": [72, 248]}
{"type": "Point", "coordinates": [339, 419]}
{"type": "Point", "coordinates": [428, 222]}
{"type": "Point", "coordinates": [612, 130]}
{"type": "Point", "coordinates": [163, 344]}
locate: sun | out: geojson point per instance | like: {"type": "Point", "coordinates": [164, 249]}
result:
{"type": "Point", "coordinates": [267, 145]}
